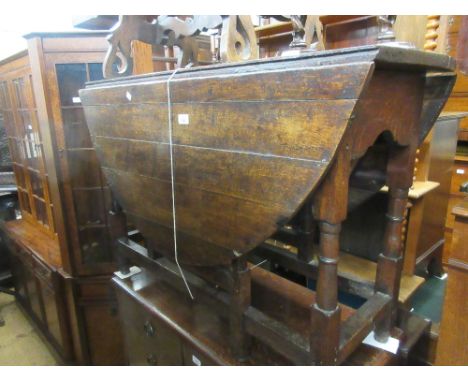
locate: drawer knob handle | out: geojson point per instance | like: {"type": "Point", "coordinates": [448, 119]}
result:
{"type": "Point", "coordinates": [149, 330]}
{"type": "Point", "coordinates": [151, 359]}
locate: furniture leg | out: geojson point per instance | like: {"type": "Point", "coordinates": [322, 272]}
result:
{"type": "Point", "coordinates": [389, 264]}
{"type": "Point", "coordinates": [240, 301]}
{"type": "Point", "coordinates": [118, 230]}
{"type": "Point", "coordinates": [325, 313]}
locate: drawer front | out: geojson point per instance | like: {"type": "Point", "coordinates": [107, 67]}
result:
{"type": "Point", "coordinates": [148, 341]}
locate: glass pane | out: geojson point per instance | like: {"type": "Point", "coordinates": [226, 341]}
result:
{"type": "Point", "coordinates": [26, 122]}
{"type": "Point", "coordinates": [32, 141]}
{"type": "Point", "coordinates": [24, 200]}
{"type": "Point", "coordinates": [52, 225]}
{"type": "Point", "coordinates": [5, 157]}
{"type": "Point", "coordinates": [71, 78]}
{"type": "Point", "coordinates": [95, 245]}
{"type": "Point", "coordinates": [36, 184]}
{"type": "Point", "coordinates": [4, 99]}
{"type": "Point", "coordinates": [31, 92]}
{"type": "Point", "coordinates": [20, 93]}
{"type": "Point", "coordinates": [41, 211]}
{"type": "Point", "coordinates": [8, 123]}
{"type": "Point", "coordinates": [95, 72]}
{"type": "Point", "coordinates": [13, 149]}
{"type": "Point", "coordinates": [20, 151]}
{"type": "Point", "coordinates": [19, 176]}
{"type": "Point", "coordinates": [76, 131]}
{"type": "Point", "coordinates": [84, 169]}
{"type": "Point", "coordinates": [89, 207]}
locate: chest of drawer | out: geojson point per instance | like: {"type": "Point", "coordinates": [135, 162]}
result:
{"type": "Point", "coordinates": [148, 340]}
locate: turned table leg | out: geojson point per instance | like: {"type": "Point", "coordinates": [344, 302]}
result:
{"type": "Point", "coordinates": [389, 264]}
{"type": "Point", "coordinates": [330, 207]}
{"type": "Point", "coordinates": [325, 313]}
{"type": "Point", "coordinates": [390, 261]}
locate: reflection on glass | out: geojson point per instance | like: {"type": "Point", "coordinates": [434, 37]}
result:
{"type": "Point", "coordinates": [20, 94]}
{"type": "Point", "coordinates": [24, 200]}
{"type": "Point", "coordinates": [95, 72]}
{"type": "Point", "coordinates": [4, 100]}
{"type": "Point", "coordinates": [36, 184]}
{"type": "Point", "coordinates": [71, 78]}
{"type": "Point", "coordinates": [94, 245]}
{"type": "Point", "coordinates": [41, 211]}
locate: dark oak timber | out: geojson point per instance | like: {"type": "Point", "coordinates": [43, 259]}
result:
{"type": "Point", "coordinates": [272, 148]}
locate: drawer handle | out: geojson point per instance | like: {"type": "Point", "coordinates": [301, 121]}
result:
{"type": "Point", "coordinates": [149, 330]}
{"type": "Point", "coordinates": [151, 359]}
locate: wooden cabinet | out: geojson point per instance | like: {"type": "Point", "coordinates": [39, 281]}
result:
{"type": "Point", "coordinates": [19, 111]}
{"type": "Point", "coordinates": [149, 341]}
{"type": "Point", "coordinates": [66, 63]}
{"type": "Point", "coordinates": [64, 199]}
{"type": "Point", "coordinates": [159, 330]}
{"type": "Point", "coordinates": [452, 349]}
{"type": "Point", "coordinates": [38, 285]}
{"type": "Point", "coordinates": [425, 237]}
{"type": "Point", "coordinates": [452, 40]}
{"type": "Point", "coordinates": [459, 176]}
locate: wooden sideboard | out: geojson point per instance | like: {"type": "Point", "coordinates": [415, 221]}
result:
{"type": "Point", "coordinates": [39, 285]}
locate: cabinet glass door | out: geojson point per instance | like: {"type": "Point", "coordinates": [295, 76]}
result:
{"type": "Point", "coordinates": [19, 114]}
{"type": "Point", "coordinates": [89, 190]}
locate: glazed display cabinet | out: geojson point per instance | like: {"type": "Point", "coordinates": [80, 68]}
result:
{"type": "Point", "coordinates": [61, 247]}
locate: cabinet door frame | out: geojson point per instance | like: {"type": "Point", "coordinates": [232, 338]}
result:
{"type": "Point", "coordinates": [62, 153]}
{"type": "Point", "coordinates": [30, 143]}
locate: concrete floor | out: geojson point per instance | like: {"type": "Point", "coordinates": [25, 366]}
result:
{"type": "Point", "coordinates": [20, 342]}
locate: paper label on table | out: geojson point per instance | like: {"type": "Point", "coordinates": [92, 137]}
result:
{"type": "Point", "coordinates": [460, 171]}
{"type": "Point", "coordinates": [76, 100]}
{"type": "Point", "coordinates": [183, 119]}
{"type": "Point", "coordinates": [391, 345]}
{"type": "Point", "coordinates": [196, 361]}
{"type": "Point", "coordinates": [290, 53]}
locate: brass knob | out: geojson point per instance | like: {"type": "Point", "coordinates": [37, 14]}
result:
{"type": "Point", "coordinates": [151, 359]}
{"type": "Point", "coordinates": [149, 330]}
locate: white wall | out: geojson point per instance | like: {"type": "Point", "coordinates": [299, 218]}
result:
{"type": "Point", "coordinates": [14, 25]}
